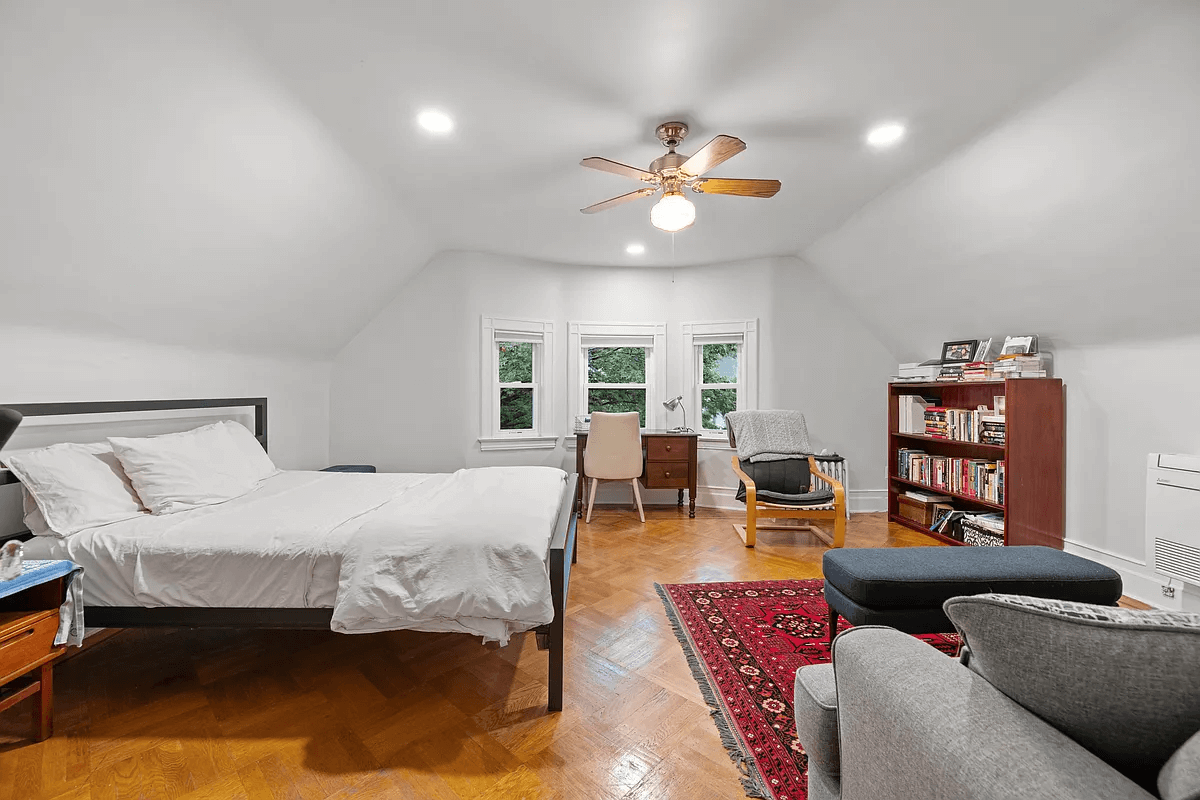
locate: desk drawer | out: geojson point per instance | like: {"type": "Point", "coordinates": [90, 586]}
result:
{"type": "Point", "coordinates": [659, 448]}
{"type": "Point", "coordinates": [666, 475]}
{"type": "Point", "coordinates": [25, 644]}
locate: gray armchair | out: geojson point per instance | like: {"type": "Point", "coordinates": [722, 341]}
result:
{"type": "Point", "coordinates": [1055, 700]}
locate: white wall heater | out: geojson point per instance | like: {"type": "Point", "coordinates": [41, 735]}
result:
{"type": "Point", "coordinates": [1173, 515]}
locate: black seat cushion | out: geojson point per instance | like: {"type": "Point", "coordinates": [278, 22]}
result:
{"type": "Point", "coordinates": [789, 477]}
{"type": "Point", "coordinates": [818, 497]}
{"type": "Point", "coordinates": [925, 577]}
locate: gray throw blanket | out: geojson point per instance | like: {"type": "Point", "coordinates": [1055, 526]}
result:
{"type": "Point", "coordinates": [769, 435]}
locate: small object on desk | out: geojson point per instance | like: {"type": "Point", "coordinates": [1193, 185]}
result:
{"type": "Point", "coordinates": [10, 561]}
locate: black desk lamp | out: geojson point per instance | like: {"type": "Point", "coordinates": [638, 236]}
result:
{"type": "Point", "coordinates": [9, 420]}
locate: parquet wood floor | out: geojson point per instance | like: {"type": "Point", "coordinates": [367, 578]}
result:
{"type": "Point", "coordinates": [311, 714]}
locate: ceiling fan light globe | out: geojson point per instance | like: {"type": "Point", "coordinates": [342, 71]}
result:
{"type": "Point", "coordinates": [673, 212]}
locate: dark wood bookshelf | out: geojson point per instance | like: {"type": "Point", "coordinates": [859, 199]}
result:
{"type": "Point", "coordinates": [1034, 504]}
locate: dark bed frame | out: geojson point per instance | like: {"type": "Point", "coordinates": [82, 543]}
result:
{"type": "Point", "coordinates": [549, 637]}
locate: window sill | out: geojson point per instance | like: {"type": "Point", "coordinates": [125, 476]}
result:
{"type": "Point", "coordinates": [518, 443]}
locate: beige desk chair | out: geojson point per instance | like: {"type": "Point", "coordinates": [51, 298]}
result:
{"type": "Point", "coordinates": [614, 453]}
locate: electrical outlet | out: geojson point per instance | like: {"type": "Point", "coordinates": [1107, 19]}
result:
{"type": "Point", "coordinates": [1168, 591]}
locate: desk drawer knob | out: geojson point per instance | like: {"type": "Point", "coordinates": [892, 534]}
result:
{"type": "Point", "coordinates": [666, 474]}
{"type": "Point", "coordinates": [668, 448]}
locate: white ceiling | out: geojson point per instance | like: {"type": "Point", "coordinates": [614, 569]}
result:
{"type": "Point", "coordinates": [1077, 219]}
{"type": "Point", "coordinates": [535, 86]}
{"type": "Point", "coordinates": [247, 173]}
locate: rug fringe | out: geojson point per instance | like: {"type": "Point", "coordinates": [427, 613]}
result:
{"type": "Point", "coordinates": [752, 781]}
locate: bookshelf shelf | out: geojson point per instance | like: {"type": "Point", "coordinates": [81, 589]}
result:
{"type": "Point", "coordinates": [964, 497]}
{"type": "Point", "coordinates": [1033, 454]}
{"type": "Point", "coordinates": [995, 449]}
{"type": "Point", "coordinates": [916, 526]}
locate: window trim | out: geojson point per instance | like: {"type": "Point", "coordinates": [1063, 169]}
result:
{"type": "Point", "coordinates": [494, 330]}
{"type": "Point", "coordinates": [740, 332]}
{"type": "Point", "coordinates": [652, 336]}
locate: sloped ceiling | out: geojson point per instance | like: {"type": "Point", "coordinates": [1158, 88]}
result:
{"type": "Point", "coordinates": [157, 181]}
{"type": "Point", "coordinates": [1078, 219]}
{"type": "Point", "coordinates": [247, 174]}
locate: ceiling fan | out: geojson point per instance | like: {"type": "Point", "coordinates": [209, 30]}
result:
{"type": "Point", "coordinates": [674, 172]}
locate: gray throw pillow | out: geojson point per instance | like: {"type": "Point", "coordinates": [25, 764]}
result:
{"type": "Point", "coordinates": [1180, 778]}
{"type": "Point", "coordinates": [1122, 683]}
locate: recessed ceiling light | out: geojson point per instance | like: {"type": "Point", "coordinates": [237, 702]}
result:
{"type": "Point", "coordinates": [635, 249]}
{"type": "Point", "coordinates": [435, 121]}
{"type": "Point", "coordinates": [885, 135]}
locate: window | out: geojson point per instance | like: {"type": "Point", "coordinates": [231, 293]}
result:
{"type": "Point", "coordinates": [616, 380]}
{"type": "Point", "coordinates": [515, 399]}
{"type": "Point", "coordinates": [619, 368]}
{"type": "Point", "coordinates": [721, 373]}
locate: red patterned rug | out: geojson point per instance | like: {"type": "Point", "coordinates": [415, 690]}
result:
{"type": "Point", "coordinates": [744, 643]}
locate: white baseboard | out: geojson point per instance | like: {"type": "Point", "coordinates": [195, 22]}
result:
{"type": "Point", "coordinates": [861, 501]}
{"type": "Point", "coordinates": [1139, 581]}
{"type": "Point", "coordinates": [865, 501]}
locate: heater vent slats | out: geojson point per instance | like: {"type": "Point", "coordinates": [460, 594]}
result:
{"type": "Point", "coordinates": [1177, 560]}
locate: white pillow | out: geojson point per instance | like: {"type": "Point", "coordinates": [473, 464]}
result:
{"type": "Point", "coordinates": [75, 486]}
{"type": "Point", "coordinates": [33, 515]}
{"type": "Point", "coordinates": [202, 467]}
{"type": "Point", "coordinates": [257, 463]}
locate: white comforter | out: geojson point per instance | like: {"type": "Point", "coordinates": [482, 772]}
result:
{"type": "Point", "coordinates": [438, 552]}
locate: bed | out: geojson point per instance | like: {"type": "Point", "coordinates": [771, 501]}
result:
{"type": "Point", "coordinates": [482, 551]}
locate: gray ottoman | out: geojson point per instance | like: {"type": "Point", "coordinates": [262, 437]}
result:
{"type": "Point", "coordinates": [905, 587]}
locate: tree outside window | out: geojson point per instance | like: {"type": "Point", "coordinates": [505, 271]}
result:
{"type": "Point", "coordinates": [718, 384]}
{"type": "Point", "coordinates": [515, 360]}
{"type": "Point", "coordinates": [616, 378]}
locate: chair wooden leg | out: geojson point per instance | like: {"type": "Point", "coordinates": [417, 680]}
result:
{"type": "Point", "coordinates": [751, 534]}
{"type": "Point", "coordinates": [637, 497]}
{"type": "Point", "coordinates": [43, 711]}
{"type": "Point", "coordinates": [839, 530]}
{"type": "Point", "coordinates": [591, 499]}
{"type": "Point", "coordinates": [833, 623]}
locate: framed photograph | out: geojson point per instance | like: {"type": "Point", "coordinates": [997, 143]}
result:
{"type": "Point", "coordinates": [959, 352]}
{"type": "Point", "coordinates": [1019, 345]}
{"type": "Point", "coordinates": [998, 404]}
{"type": "Point", "coordinates": [982, 351]}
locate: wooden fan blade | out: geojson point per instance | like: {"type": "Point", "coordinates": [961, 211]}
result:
{"type": "Point", "coordinates": [737, 186]}
{"type": "Point", "coordinates": [718, 151]}
{"type": "Point", "coordinates": [616, 201]}
{"type": "Point", "coordinates": [616, 168]}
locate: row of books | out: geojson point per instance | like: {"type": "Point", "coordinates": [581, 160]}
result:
{"type": "Point", "coordinates": [982, 425]}
{"type": "Point", "coordinates": [969, 477]}
{"type": "Point", "coordinates": [1013, 365]}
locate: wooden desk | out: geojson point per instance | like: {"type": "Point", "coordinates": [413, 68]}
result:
{"type": "Point", "coordinates": [668, 462]}
{"type": "Point", "coordinates": [28, 624]}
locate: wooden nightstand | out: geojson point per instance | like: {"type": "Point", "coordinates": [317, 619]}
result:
{"type": "Point", "coordinates": [28, 625]}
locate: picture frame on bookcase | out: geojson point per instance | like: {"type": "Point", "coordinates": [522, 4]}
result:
{"type": "Point", "coordinates": [998, 404]}
{"type": "Point", "coordinates": [1019, 345]}
{"type": "Point", "coordinates": [959, 352]}
{"type": "Point", "coordinates": [985, 347]}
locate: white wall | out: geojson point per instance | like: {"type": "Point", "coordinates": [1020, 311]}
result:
{"type": "Point", "coordinates": [43, 366]}
{"type": "Point", "coordinates": [1075, 220]}
{"type": "Point", "coordinates": [405, 391]}
{"type": "Point", "coordinates": [1124, 401]}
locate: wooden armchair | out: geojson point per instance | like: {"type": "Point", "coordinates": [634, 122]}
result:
{"type": "Point", "coordinates": [825, 498]}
